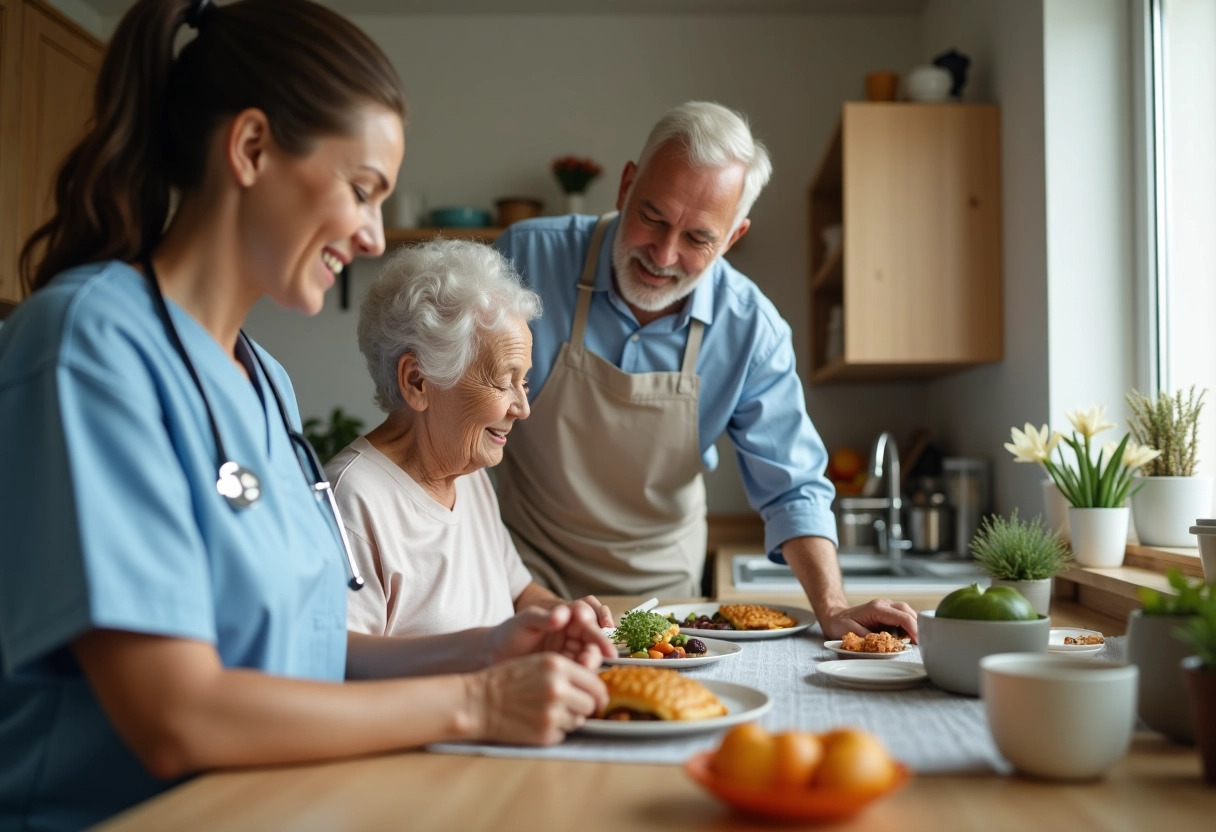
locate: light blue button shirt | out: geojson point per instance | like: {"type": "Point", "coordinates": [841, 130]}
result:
{"type": "Point", "coordinates": [749, 382]}
{"type": "Point", "coordinates": [111, 520]}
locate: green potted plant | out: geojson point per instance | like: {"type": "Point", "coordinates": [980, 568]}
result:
{"type": "Point", "coordinates": [1200, 673]}
{"type": "Point", "coordinates": [1025, 555]}
{"type": "Point", "coordinates": [328, 439]}
{"type": "Point", "coordinates": [1096, 485]}
{"type": "Point", "coordinates": [1153, 645]}
{"type": "Point", "coordinates": [1170, 496]}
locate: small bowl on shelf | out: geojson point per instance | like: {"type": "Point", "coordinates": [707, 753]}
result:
{"type": "Point", "coordinates": [784, 802]}
{"type": "Point", "coordinates": [460, 217]}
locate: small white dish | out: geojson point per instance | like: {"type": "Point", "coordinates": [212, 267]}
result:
{"type": "Point", "coordinates": [1055, 641]}
{"type": "Point", "coordinates": [805, 618]}
{"type": "Point", "coordinates": [865, 676]}
{"type": "Point", "coordinates": [743, 704]}
{"type": "Point", "coordinates": [716, 649]}
{"type": "Point", "coordinates": [835, 647]}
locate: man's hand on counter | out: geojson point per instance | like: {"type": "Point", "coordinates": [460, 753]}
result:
{"type": "Point", "coordinates": [872, 615]}
{"type": "Point", "coordinates": [813, 560]}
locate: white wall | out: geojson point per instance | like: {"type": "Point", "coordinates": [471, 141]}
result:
{"type": "Point", "coordinates": [1005, 42]}
{"type": "Point", "coordinates": [1090, 208]}
{"type": "Point", "coordinates": [495, 98]}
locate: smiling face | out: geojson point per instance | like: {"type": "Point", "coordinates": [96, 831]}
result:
{"type": "Point", "coordinates": [468, 423]}
{"type": "Point", "coordinates": [675, 221]}
{"type": "Point", "coordinates": [309, 216]}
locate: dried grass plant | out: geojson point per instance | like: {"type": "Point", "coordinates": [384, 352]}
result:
{"type": "Point", "coordinates": [1171, 425]}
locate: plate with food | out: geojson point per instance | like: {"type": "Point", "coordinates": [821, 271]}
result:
{"type": "Point", "coordinates": [644, 637]}
{"type": "Point", "coordinates": [867, 676]}
{"type": "Point", "coordinates": [698, 650]}
{"type": "Point", "coordinates": [738, 622]}
{"type": "Point", "coordinates": [1074, 640]}
{"type": "Point", "coordinates": [659, 702]}
{"type": "Point", "coordinates": [871, 646]}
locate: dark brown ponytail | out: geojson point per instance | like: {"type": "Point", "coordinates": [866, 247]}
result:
{"type": "Point", "coordinates": [306, 67]}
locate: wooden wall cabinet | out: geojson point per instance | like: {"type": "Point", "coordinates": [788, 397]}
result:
{"type": "Point", "coordinates": [48, 69]}
{"type": "Point", "coordinates": [917, 275]}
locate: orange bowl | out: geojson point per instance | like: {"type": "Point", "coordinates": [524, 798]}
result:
{"type": "Point", "coordinates": [786, 802]}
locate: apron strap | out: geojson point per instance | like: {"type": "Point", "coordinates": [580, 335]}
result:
{"type": "Point", "coordinates": [586, 283]}
{"type": "Point", "coordinates": [688, 370]}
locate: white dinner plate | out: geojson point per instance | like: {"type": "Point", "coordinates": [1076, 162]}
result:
{"type": "Point", "coordinates": [866, 676]}
{"type": "Point", "coordinates": [1055, 641]}
{"type": "Point", "coordinates": [716, 649]}
{"type": "Point", "coordinates": [835, 647]}
{"type": "Point", "coordinates": [805, 618]}
{"type": "Point", "coordinates": [743, 704]}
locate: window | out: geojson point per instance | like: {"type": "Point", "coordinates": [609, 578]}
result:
{"type": "Point", "coordinates": [1180, 275]}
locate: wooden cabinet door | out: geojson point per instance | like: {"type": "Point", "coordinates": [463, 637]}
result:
{"type": "Point", "coordinates": [10, 130]}
{"type": "Point", "coordinates": [59, 67]}
{"type": "Point", "coordinates": [922, 234]}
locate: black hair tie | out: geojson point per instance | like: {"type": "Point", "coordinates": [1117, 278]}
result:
{"type": "Point", "coordinates": [199, 9]}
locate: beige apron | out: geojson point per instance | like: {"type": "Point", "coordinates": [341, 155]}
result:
{"type": "Point", "coordinates": [601, 486]}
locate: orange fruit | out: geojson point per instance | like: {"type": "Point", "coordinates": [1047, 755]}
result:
{"type": "Point", "coordinates": [854, 761]}
{"type": "Point", "coordinates": [797, 755]}
{"type": "Point", "coordinates": [746, 755]}
{"type": "Point", "coordinates": [845, 464]}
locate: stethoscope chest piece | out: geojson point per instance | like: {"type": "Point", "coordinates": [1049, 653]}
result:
{"type": "Point", "coordinates": [238, 485]}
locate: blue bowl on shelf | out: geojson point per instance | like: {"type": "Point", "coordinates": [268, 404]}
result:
{"type": "Point", "coordinates": [460, 218]}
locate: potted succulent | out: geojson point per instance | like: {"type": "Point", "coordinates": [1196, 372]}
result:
{"type": "Point", "coordinates": [1025, 555]}
{"type": "Point", "coordinates": [1096, 486]}
{"type": "Point", "coordinates": [1170, 496]}
{"type": "Point", "coordinates": [1154, 645]}
{"type": "Point", "coordinates": [1200, 673]}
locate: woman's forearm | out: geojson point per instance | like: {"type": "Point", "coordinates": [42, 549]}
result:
{"type": "Point", "coordinates": [181, 711]}
{"type": "Point", "coordinates": [387, 657]}
{"type": "Point", "coordinates": [535, 595]}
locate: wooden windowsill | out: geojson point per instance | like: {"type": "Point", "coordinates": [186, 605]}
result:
{"type": "Point", "coordinates": [1115, 591]}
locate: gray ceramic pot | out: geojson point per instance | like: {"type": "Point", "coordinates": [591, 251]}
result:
{"type": "Point", "coordinates": [1151, 646]}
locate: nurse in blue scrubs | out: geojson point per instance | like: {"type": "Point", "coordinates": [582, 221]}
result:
{"type": "Point", "coordinates": [172, 580]}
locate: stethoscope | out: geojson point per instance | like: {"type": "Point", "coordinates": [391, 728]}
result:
{"type": "Point", "coordinates": [239, 486]}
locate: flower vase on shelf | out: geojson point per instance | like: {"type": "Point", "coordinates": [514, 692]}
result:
{"type": "Point", "coordinates": [1099, 535]}
{"type": "Point", "coordinates": [575, 202]}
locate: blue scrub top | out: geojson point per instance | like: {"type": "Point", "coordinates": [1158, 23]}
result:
{"type": "Point", "coordinates": [110, 519]}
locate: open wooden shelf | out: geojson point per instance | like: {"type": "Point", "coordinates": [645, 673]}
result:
{"type": "Point", "coordinates": [406, 236]}
{"type": "Point", "coordinates": [830, 274]}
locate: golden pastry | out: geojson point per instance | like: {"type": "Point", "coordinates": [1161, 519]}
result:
{"type": "Point", "coordinates": [639, 693]}
{"type": "Point", "coordinates": [755, 617]}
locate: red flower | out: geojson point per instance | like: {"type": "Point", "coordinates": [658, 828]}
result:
{"type": "Point", "coordinates": [574, 173]}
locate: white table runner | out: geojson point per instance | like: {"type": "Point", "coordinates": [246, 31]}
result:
{"type": "Point", "coordinates": [932, 731]}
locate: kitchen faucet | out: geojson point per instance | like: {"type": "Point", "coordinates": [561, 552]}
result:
{"type": "Point", "coordinates": [884, 464]}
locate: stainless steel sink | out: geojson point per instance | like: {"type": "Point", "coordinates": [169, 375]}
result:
{"type": "Point", "coordinates": [864, 570]}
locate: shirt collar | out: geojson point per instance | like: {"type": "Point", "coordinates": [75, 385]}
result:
{"type": "Point", "coordinates": [699, 305]}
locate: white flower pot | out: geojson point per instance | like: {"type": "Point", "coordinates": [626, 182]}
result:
{"type": "Point", "coordinates": [1055, 505]}
{"type": "Point", "coordinates": [1165, 508]}
{"type": "Point", "coordinates": [1038, 593]}
{"type": "Point", "coordinates": [1099, 535]}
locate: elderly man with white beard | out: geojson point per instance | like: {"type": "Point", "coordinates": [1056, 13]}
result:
{"type": "Point", "coordinates": [652, 346]}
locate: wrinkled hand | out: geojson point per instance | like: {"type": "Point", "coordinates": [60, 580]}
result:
{"type": "Point", "coordinates": [870, 616]}
{"type": "Point", "coordinates": [570, 629]}
{"type": "Point", "coordinates": [602, 613]}
{"type": "Point", "coordinates": [535, 700]}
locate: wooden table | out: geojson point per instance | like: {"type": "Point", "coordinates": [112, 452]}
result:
{"type": "Point", "coordinates": [1156, 786]}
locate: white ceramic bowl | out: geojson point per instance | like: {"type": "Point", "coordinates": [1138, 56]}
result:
{"type": "Point", "coordinates": [1059, 717]}
{"type": "Point", "coordinates": [951, 648]}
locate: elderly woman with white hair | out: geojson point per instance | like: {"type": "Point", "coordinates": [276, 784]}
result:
{"type": "Point", "coordinates": [445, 333]}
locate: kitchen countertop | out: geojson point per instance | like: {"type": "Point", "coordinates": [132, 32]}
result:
{"type": "Point", "coordinates": [1157, 785]}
